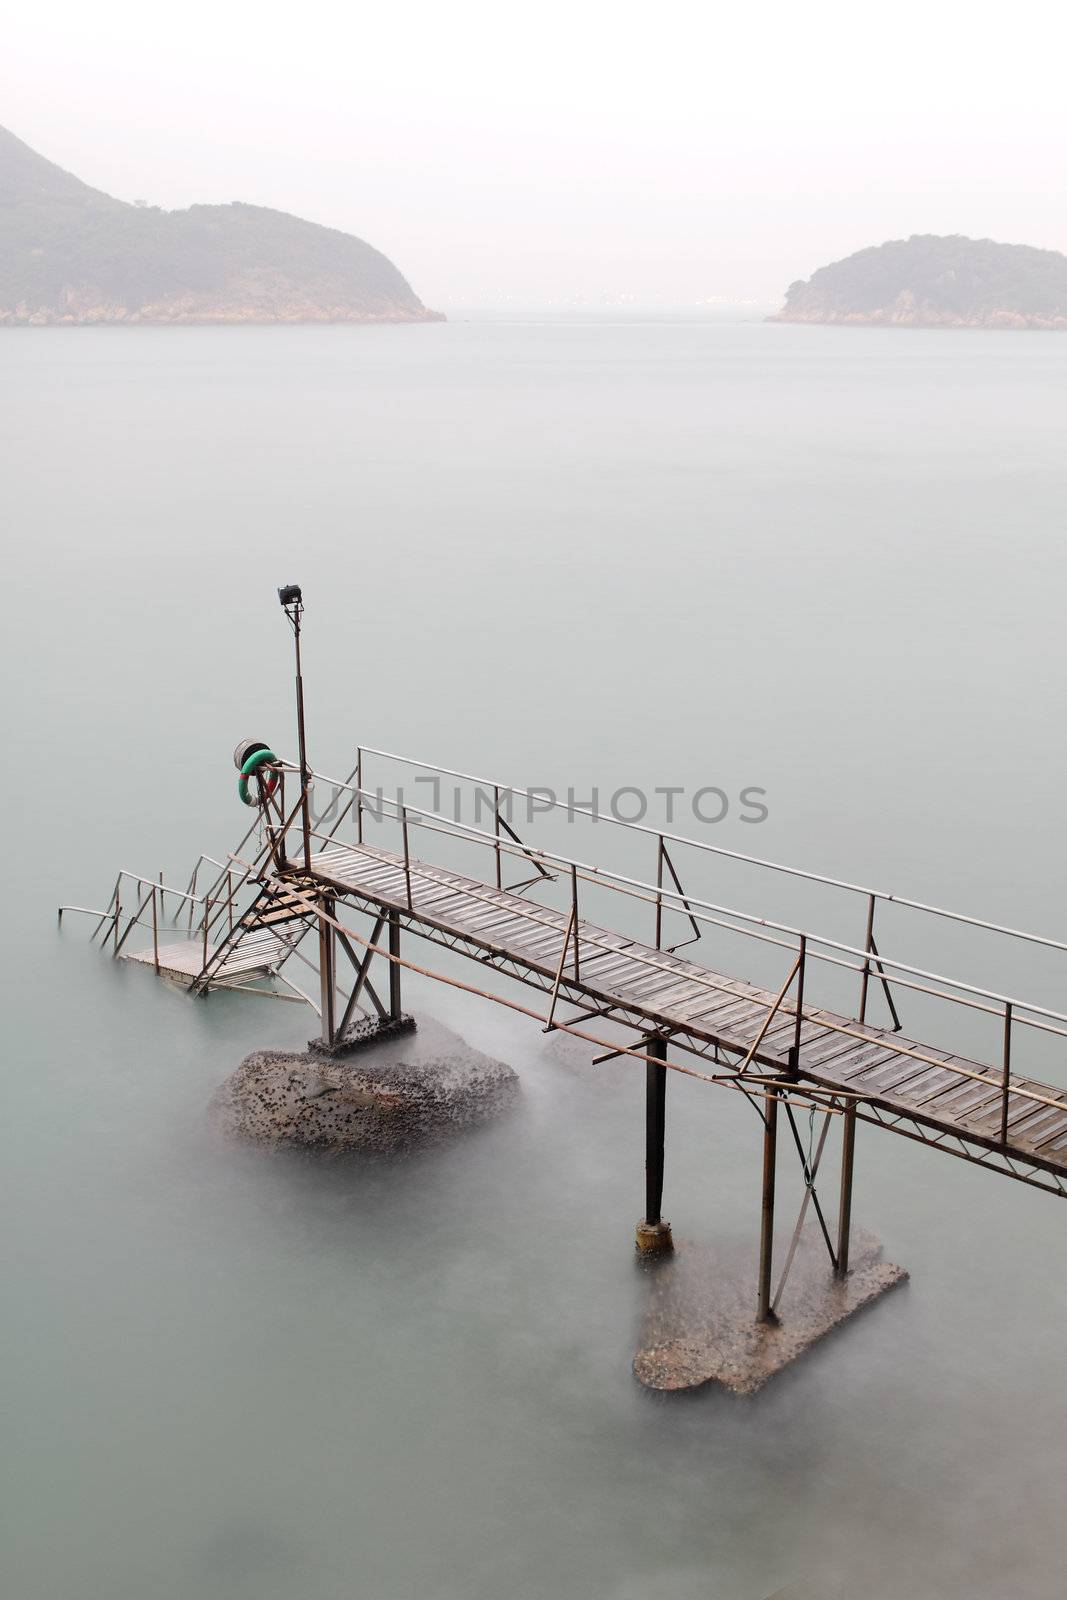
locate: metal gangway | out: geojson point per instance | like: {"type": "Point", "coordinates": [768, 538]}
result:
{"type": "Point", "coordinates": [318, 904]}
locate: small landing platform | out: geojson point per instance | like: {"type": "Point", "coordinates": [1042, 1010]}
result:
{"type": "Point", "coordinates": [185, 961]}
{"type": "Point", "coordinates": [700, 1324]}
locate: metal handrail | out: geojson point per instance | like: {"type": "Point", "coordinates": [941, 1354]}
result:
{"type": "Point", "coordinates": [651, 892]}
{"type": "Point", "coordinates": [137, 877]}
{"type": "Point", "coordinates": [721, 850]}
{"type": "Point", "coordinates": [1005, 1084]}
{"type": "Point", "coordinates": [867, 961]}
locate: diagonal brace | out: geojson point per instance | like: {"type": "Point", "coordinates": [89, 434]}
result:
{"type": "Point", "coordinates": [571, 929]}
{"type": "Point", "coordinates": [809, 1193]}
{"type": "Point", "coordinates": [809, 1178]}
{"type": "Point", "coordinates": [362, 966]}
{"type": "Point", "coordinates": [885, 986]}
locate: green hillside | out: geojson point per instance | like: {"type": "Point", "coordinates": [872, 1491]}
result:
{"type": "Point", "coordinates": [71, 254]}
{"type": "Point", "coordinates": [930, 281]}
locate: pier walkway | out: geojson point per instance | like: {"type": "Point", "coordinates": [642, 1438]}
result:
{"type": "Point", "coordinates": [293, 877]}
{"type": "Point", "coordinates": [660, 993]}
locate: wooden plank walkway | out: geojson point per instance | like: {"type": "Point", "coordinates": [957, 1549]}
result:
{"type": "Point", "coordinates": [944, 1092]}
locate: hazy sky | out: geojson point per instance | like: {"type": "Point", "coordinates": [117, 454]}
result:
{"type": "Point", "coordinates": [557, 153]}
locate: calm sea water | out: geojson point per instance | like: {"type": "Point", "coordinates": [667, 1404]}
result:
{"type": "Point", "coordinates": [827, 563]}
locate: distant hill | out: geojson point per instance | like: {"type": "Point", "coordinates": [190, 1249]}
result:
{"type": "Point", "coordinates": [932, 282]}
{"type": "Point", "coordinates": [71, 254]}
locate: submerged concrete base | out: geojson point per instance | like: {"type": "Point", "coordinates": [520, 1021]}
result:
{"type": "Point", "coordinates": [654, 1238]}
{"type": "Point", "coordinates": [700, 1323]}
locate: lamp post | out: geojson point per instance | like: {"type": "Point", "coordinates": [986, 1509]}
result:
{"type": "Point", "coordinates": [292, 603]}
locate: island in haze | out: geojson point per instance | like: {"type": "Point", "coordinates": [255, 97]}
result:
{"type": "Point", "coordinates": [929, 281]}
{"type": "Point", "coordinates": [70, 254]}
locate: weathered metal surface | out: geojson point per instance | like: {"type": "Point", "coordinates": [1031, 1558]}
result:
{"type": "Point", "coordinates": [751, 1040]}
{"type": "Point", "coordinates": [868, 1066]}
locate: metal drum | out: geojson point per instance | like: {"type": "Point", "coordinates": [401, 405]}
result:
{"type": "Point", "coordinates": [245, 748]}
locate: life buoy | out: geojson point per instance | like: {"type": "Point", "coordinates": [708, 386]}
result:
{"type": "Point", "coordinates": [268, 781]}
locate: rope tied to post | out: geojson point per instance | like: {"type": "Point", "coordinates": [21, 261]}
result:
{"type": "Point", "coordinates": [809, 1175]}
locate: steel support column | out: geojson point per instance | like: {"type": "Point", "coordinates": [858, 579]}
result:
{"type": "Point", "coordinates": [653, 1233]}
{"type": "Point", "coordinates": [766, 1243]}
{"type": "Point", "coordinates": [844, 1213]}
{"type": "Point", "coordinates": [394, 967]}
{"type": "Point", "coordinates": [655, 1128]}
{"type": "Point", "coordinates": [328, 972]}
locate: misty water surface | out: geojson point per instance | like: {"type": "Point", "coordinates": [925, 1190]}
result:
{"type": "Point", "coordinates": [828, 563]}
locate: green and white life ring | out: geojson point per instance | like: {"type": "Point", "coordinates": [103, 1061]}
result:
{"type": "Point", "coordinates": [268, 782]}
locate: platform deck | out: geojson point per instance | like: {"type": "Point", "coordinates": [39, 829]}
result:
{"type": "Point", "coordinates": [948, 1093]}
{"type": "Point", "coordinates": [256, 956]}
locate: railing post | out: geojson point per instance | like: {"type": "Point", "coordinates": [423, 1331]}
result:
{"type": "Point", "coordinates": [844, 1211]}
{"type": "Point", "coordinates": [574, 919]}
{"type": "Point", "coordinates": [118, 914]}
{"type": "Point", "coordinates": [207, 916]}
{"type": "Point", "coordinates": [659, 892]}
{"type": "Point", "coordinates": [766, 1243]}
{"type": "Point", "coordinates": [794, 1054]}
{"type": "Point", "coordinates": [229, 897]}
{"type": "Point", "coordinates": [407, 853]}
{"type": "Point", "coordinates": [359, 795]}
{"type": "Point", "coordinates": [280, 855]}
{"type": "Point", "coordinates": [868, 944]}
{"type": "Point", "coordinates": [155, 932]}
{"type": "Point", "coordinates": [496, 832]}
{"type": "Point", "coordinates": [1007, 1074]}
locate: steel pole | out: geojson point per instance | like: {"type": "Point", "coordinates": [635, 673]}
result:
{"type": "Point", "coordinates": [305, 771]}
{"type": "Point", "coordinates": [794, 1055]}
{"type": "Point", "coordinates": [655, 1129]}
{"type": "Point", "coordinates": [394, 966]}
{"type": "Point", "coordinates": [327, 972]}
{"type": "Point", "coordinates": [1006, 1089]}
{"type": "Point", "coordinates": [766, 1243]}
{"type": "Point", "coordinates": [844, 1211]}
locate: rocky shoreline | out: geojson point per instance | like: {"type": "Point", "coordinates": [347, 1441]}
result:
{"type": "Point", "coordinates": [934, 281]}
{"type": "Point", "coordinates": [896, 317]}
{"type": "Point", "coordinates": [191, 315]}
{"type": "Point", "coordinates": [72, 256]}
